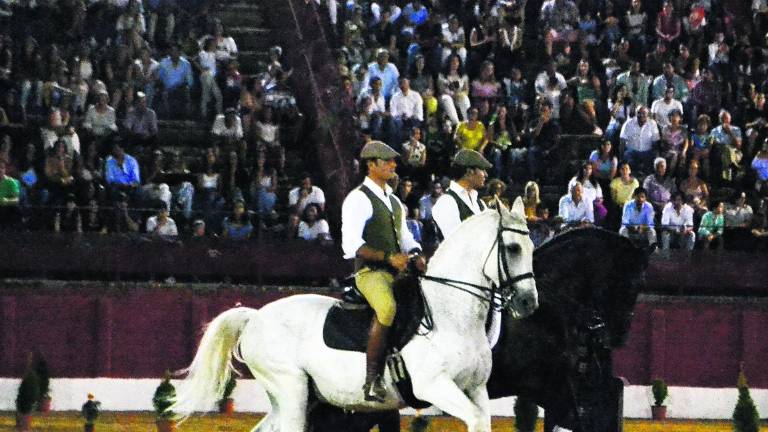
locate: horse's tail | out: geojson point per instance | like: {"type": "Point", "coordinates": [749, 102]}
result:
{"type": "Point", "coordinates": [212, 366]}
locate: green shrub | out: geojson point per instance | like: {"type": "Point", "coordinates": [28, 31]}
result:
{"type": "Point", "coordinates": [163, 398]}
{"type": "Point", "coordinates": [526, 413]}
{"type": "Point", "coordinates": [660, 392]}
{"type": "Point", "coordinates": [41, 367]}
{"type": "Point", "coordinates": [29, 392]}
{"type": "Point", "coordinates": [745, 415]}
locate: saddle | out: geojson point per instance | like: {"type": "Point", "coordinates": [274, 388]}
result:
{"type": "Point", "coordinates": [347, 323]}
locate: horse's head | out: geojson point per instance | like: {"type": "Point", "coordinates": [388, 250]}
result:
{"type": "Point", "coordinates": [512, 270]}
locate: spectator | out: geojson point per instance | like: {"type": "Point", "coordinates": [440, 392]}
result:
{"type": "Point", "coordinates": [604, 164]}
{"type": "Point", "coordinates": [662, 107]}
{"type": "Point", "coordinates": [226, 48]}
{"type": "Point", "coordinates": [385, 70]}
{"type": "Point", "coordinates": [70, 220]}
{"type": "Point", "coordinates": [637, 218]}
{"type": "Point", "coordinates": [162, 224]}
{"type": "Point", "coordinates": [738, 223]}
{"type": "Point", "coordinates": [206, 62]}
{"type": "Point", "coordinates": [495, 191]}
{"type": "Point", "coordinates": [701, 143]}
{"type": "Point", "coordinates": [586, 83]}
{"type": "Point", "coordinates": [264, 187]}
{"type": "Point", "coordinates": [228, 127]}
{"type": "Point", "coordinates": [406, 109]}
{"type": "Point", "coordinates": [237, 226]}
{"type": "Point", "coordinates": [636, 21]}
{"type": "Point", "coordinates": [658, 186]}
{"type": "Point", "coordinates": [669, 78]}
{"type": "Point", "coordinates": [266, 134]}
{"type": "Point", "coordinates": [375, 109]}
{"type": "Point", "coordinates": [636, 82]}
{"type": "Point", "coordinates": [508, 150]}
{"type": "Point", "coordinates": [312, 226]}
{"type": "Point", "coordinates": [414, 154]}
{"type": "Point", "coordinates": [58, 173]}
{"type": "Point", "coordinates": [620, 108]}
{"type": "Point", "coordinates": [486, 87]}
{"type": "Point", "coordinates": [668, 24]}
{"type": "Point", "coordinates": [549, 84]}
{"type": "Point", "coordinates": [94, 219]}
{"type": "Point", "coordinates": [677, 224]}
{"type": "Point", "coordinates": [198, 229]}
{"type": "Point", "coordinates": [175, 75]}
{"type": "Point", "coordinates": [454, 40]}
{"type": "Point", "coordinates": [639, 136]}
{"type": "Point", "coordinates": [414, 224]}
{"type": "Point", "coordinates": [674, 143]}
{"type": "Point", "coordinates": [453, 85]}
{"type": "Point", "coordinates": [10, 191]}
{"type": "Point", "coordinates": [531, 201]}
{"type": "Point", "coordinates": [141, 123]}
{"type": "Point", "coordinates": [237, 178]}
{"type": "Point", "coordinates": [544, 136]}
{"type": "Point", "coordinates": [712, 227]}
{"type": "Point", "coordinates": [706, 96]}
{"type": "Point", "coordinates": [122, 221]}
{"type": "Point", "coordinates": [560, 17]}
{"type": "Point", "coordinates": [100, 120]}
{"type": "Point", "coordinates": [760, 165]}
{"type": "Point", "coordinates": [304, 194]}
{"type": "Point", "coordinates": [623, 187]}
{"type": "Point", "coordinates": [122, 173]}
{"type": "Point", "coordinates": [727, 139]}
{"type": "Point", "coordinates": [427, 201]}
{"type": "Point", "coordinates": [575, 211]}
{"type": "Point", "coordinates": [471, 134]}
{"type": "Point", "coordinates": [693, 186]}
{"type": "Point", "coordinates": [592, 191]}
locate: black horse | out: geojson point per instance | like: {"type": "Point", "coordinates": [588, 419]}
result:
{"type": "Point", "coordinates": [560, 357]}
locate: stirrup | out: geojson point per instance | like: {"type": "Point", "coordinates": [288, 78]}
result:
{"type": "Point", "coordinates": [375, 391]}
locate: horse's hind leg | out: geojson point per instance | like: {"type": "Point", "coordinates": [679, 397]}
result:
{"type": "Point", "coordinates": [292, 400]}
{"type": "Point", "coordinates": [447, 396]}
{"type": "Point", "coordinates": [267, 424]}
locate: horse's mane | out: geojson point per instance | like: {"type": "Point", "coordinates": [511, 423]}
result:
{"type": "Point", "coordinates": [470, 225]}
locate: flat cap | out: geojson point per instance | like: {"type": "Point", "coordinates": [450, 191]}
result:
{"type": "Point", "coordinates": [378, 150]}
{"type": "Point", "coordinates": [471, 159]}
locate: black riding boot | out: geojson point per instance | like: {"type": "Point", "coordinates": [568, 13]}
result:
{"type": "Point", "coordinates": [377, 345]}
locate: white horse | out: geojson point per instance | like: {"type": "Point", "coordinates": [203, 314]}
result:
{"type": "Point", "coordinates": [488, 258]}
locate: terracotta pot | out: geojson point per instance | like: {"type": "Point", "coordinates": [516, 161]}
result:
{"type": "Point", "coordinates": [227, 406]}
{"type": "Point", "coordinates": [45, 405]}
{"type": "Point", "coordinates": [165, 425]}
{"type": "Point", "coordinates": [89, 428]}
{"type": "Point", "coordinates": [659, 412]}
{"type": "Point", "coordinates": [23, 422]}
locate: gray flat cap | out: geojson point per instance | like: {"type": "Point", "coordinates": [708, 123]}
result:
{"type": "Point", "coordinates": [470, 159]}
{"type": "Point", "coordinates": [378, 150]}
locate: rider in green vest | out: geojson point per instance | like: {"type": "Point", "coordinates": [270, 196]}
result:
{"type": "Point", "coordinates": [375, 234]}
{"type": "Point", "coordinates": [461, 200]}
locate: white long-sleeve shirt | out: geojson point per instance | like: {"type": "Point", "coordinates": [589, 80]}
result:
{"type": "Point", "coordinates": [357, 210]}
{"type": "Point", "coordinates": [409, 106]}
{"type": "Point", "coordinates": [445, 212]}
{"type": "Point", "coordinates": [573, 212]}
{"type": "Point", "coordinates": [670, 218]}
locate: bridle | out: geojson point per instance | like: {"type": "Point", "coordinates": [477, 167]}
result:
{"type": "Point", "coordinates": [498, 296]}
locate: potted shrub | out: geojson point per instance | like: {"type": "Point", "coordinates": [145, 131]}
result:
{"type": "Point", "coordinates": [227, 404]}
{"type": "Point", "coordinates": [526, 413]}
{"type": "Point", "coordinates": [162, 400]}
{"type": "Point", "coordinates": [660, 393]}
{"type": "Point", "coordinates": [90, 412]}
{"type": "Point", "coordinates": [26, 400]}
{"type": "Point", "coordinates": [745, 415]}
{"type": "Point", "coordinates": [41, 368]}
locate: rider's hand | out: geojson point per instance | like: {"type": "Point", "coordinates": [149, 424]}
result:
{"type": "Point", "coordinates": [420, 263]}
{"type": "Point", "coordinates": [398, 261]}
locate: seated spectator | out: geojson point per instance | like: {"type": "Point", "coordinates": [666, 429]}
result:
{"type": "Point", "coordinates": [561, 19]}
{"type": "Point", "coordinates": [531, 201]}
{"type": "Point", "coordinates": [300, 196]}
{"type": "Point", "coordinates": [495, 191]}
{"type": "Point", "coordinates": [226, 48]}
{"type": "Point", "coordinates": [674, 143]}
{"type": "Point", "coordinates": [10, 191]}
{"type": "Point", "coordinates": [485, 86]}
{"type": "Point", "coordinates": [69, 220]}
{"type": "Point", "coordinates": [677, 224]}
{"type": "Point", "coordinates": [453, 86]}
{"type": "Point", "coordinates": [575, 211]}
{"type": "Point", "coordinates": [414, 224]}
{"type": "Point", "coordinates": [471, 134]}
{"type": "Point", "coordinates": [162, 224]}
{"type": "Point", "coordinates": [154, 187]}
{"type": "Point", "coordinates": [122, 173]}
{"type": "Point", "coordinates": [706, 96]}
{"type": "Point", "coordinates": [237, 226]}
{"type": "Point", "coordinates": [760, 227]}
{"type": "Point", "coordinates": [712, 227]}
{"type": "Point", "coordinates": [266, 134]}
{"type": "Point", "coordinates": [141, 123]}
{"type": "Point", "coordinates": [548, 85]}
{"type": "Point", "coordinates": [666, 79]}
{"type": "Point", "coordinates": [429, 199]}
{"type": "Point", "coordinates": [544, 135]}
{"type": "Point", "coordinates": [701, 142]}
{"type": "Point", "coordinates": [637, 218]}
{"type": "Point", "coordinates": [586, 83]}
{"type": "Point", "coordinates": [738, 221]}
{"type": "Point", "coordinates": [693, 186]}
{"type": "Point", "coordinates": [635, 81]}
{"type": "Point", "coordinates": [592, 191]}
{"type": "Point", "coordinates": [198, 229]}
{"type": "Point", "coordinates": [727, 139]}
{"type": "Point", "coordinates": [604, 164]}
{"type": "Point", "coordinates": [312, 226]}
{"type": "Point", "coordinates": [264, 186]}
{"type": "Point", "coordinates": [668, 24]}
{"type": "Point", "coordinates": [175, 75]}
{"type": "Point", "coordinates": [414, 155]}
{"type": "Point", "coordinates": [121, 220]}
{"type": "Point", "coordinates": [94, 218]}
{"type": "Point", "coordinates": [454, 39]}
{"type": "Point", "coordinates": [58, 173]}
{"type": "Point", "coordinates": [622, 189]}
{"type": "Point", "coordinates": [385, 70]}
{"type": "Point", "coordinates": [760, 166]}
{"type": "Point", "coordinates": [508, 150]}
{"type": "Point", "coordinates": [251, 104]}
{"type": "Point", "coordinates": [621, 106]}
{"type": "Point", "coordinates": [542, 229]}
{"type": "Point", "coordinates": [210, 186]}
{"type": "Point", "coordinates": [659, 186]}
{"type": "Point", "coordinates": [229, 129]}
{"type": "Point", "coordinates": [407, 111]}
{"type": "Point", "coordinates": [662, 107]}
{"type": "Point", "coordinates": [100, 120]}
{"type": "Point", "coordinates": [639, 136]}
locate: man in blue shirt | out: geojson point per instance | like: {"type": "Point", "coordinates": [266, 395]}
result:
{"type": "Point", "coordinates": [122, 174]}
{"type": "Point", "coordinates": [175, 75]}
{"type": "Point", "coordinates": [637, 219]}
{"type": "Point", "coordinates": [385, 70]}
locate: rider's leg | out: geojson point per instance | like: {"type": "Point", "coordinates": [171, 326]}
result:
{"type": "Point", "coordinates": [376, 286]}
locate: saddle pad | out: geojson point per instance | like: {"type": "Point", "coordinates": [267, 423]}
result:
{"type": "Point", "coordinates": [347, 329]}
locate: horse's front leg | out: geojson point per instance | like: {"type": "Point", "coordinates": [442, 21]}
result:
{"type": "Point", "coordinates": [443, 393]}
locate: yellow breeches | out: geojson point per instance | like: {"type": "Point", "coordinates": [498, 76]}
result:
{"type": "Point", "coordinates": [376, 286]}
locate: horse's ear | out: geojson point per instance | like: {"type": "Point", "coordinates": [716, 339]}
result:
{"type": "Point", "coordinates": [500, 205]}
{"type": "Point", "coordinates": [518, 208]}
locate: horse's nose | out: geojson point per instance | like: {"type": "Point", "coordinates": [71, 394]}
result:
{"type": "Point", "coordinates": [527, 305]}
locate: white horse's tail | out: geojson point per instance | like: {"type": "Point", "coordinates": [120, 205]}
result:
{"type": "Point", "coordinates": [212, 366]}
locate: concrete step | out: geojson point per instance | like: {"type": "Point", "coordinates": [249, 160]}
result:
{"type": "Point", "coordinates": [241, 15]}
{"type": "Point", "coordinates": [252, 62]}
{"type": "Point", "coordinates": [251, 38]}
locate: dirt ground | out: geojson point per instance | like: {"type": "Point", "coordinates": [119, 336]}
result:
{"type": "Point", "coordinates": [144, 422]}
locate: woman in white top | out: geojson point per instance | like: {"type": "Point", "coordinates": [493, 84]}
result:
{"type": "Point", "coordinates": [312, 227]}
{"type": "Point", "coordinates": [592, 191]}
{"type": "Point", "coordinates": [206, 61]}
{"type": "Point", "coordinates": [453, 86]}
{"type": "Point", "coordinates": [100, 119]}
{"type": "Point", "coordinates": [264, 186]}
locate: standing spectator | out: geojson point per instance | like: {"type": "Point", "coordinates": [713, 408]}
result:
{"type": "Point", "coordinates": [659, 187]}
{"type": "Point", "coordinates": [175, 75]}
{"type": "Point", "coordinates": [637, 218]}
{"type": "Point", "coordinates": [385, 70]}
{"type": "Point", "coordinates": [206, 62]}
{"type": "Point", "coordinates": [304, 194]}
{"type": "Point", "coordinates": [312, 226]}
{"type": "Point", "coordinates": [544, 136]}
{"type": "Point", "coordinates": [727, 140]}
{"type": "Point", "coordinates": [141, 123]}
{"type": "Point", "coordinates": [237, 226]}
{"type": "Point", "coordinates": [122, 173]}
{"type": "Point", "coordinates": [406, 109]}
{"type": "Point", "coordinates": [677, 224]}
{"type": "Point", "coordinates": [712, 227]}
{"type": "Point", "coordinates": [674, 143]}
{"type": "Point", "coordinates": [639, 136]}
{"type": "Point", "coordinates": [10, 191]}
{"type": "Point", "coordinates": [162, 224]}
{"type": "Point", "coordinates": [662, 107]}
{"type": "Point", "coordinates": [575, 211]}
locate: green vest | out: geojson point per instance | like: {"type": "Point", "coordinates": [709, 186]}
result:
{"type": "Point", "coordinates": [464, 210]}
{"type": "Point", "coordinates": [382, 230]}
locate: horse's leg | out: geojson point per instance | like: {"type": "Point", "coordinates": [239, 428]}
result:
{"type": "Point", "coordinates": [292, 399]}
{"type": "Point", "coordinates": [447, 396]}
{"type": "Point", "coordinates": [480, 397]}
{"type": "Point", "coordinates": [267, 424]}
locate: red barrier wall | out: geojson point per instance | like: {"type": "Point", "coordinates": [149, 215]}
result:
{"type": "Point", "coordinates": [139, 330]}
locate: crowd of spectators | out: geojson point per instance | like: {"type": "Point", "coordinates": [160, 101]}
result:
{"type": "Point", "coordinates": [83, 88]}
{"type": "Point", "coordinates": [672, 93]}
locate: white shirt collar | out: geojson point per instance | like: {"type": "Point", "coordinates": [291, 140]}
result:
{"type": "Point", "coordinates": [469, 196]}
{"type": "Point", "coordinates": [381, 193]}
